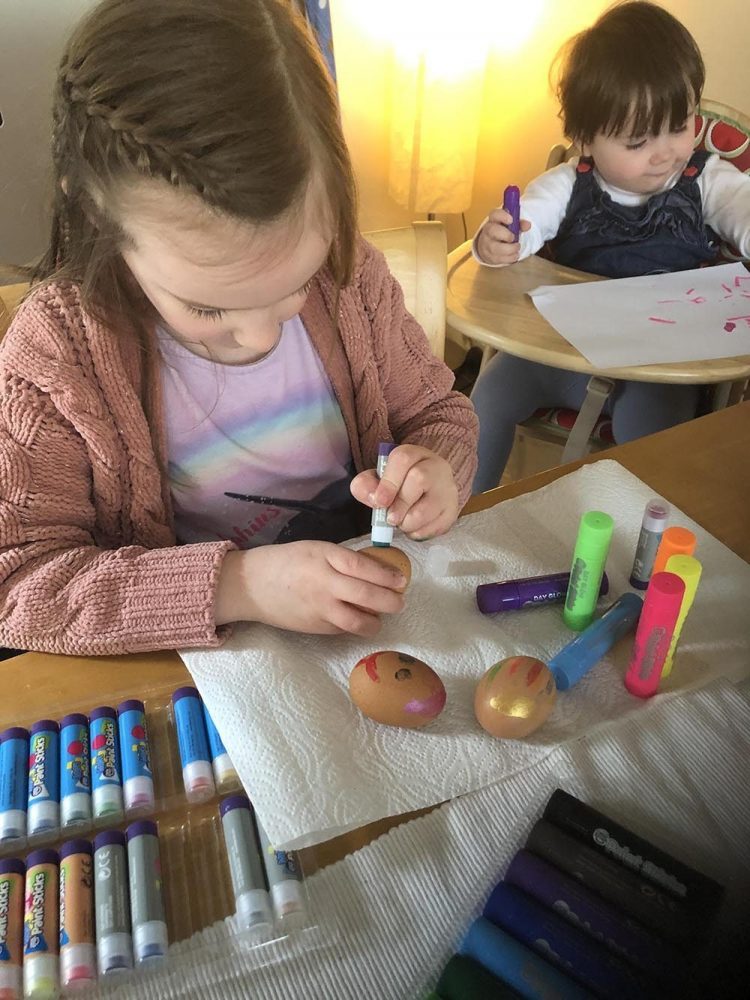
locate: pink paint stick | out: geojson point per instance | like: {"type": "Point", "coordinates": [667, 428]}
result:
{"type": "Point", "coordinates": [661, 607]}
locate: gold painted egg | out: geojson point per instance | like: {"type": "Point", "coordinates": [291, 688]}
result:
{"type": "Point", "coordinates": [515, 697]}
{"type": "Point", "coordinates": [396, 689]}
{"type": "Point", "coordinates": [391, 556]}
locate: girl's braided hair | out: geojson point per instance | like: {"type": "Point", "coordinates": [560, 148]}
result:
{"type": "Point", "coordinates": [229, 100]}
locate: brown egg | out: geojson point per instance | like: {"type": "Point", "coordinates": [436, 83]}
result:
{"type": "Point", "coordinates": [396, 689]}
{"type": "Point", "coordinates": [391, 556]}
{"type": "Point", "coordinates": [515, 697]}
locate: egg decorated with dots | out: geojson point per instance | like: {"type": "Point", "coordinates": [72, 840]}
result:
{"type": "Point", "coordinates": [515, 697]}
{"type": "Point", "coordinates": [396, 689]}
{"type": "Point", "coordinates": [389, 555]}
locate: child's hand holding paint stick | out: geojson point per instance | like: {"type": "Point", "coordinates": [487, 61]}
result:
{"type": "Point", "coordinates": [417, 489]}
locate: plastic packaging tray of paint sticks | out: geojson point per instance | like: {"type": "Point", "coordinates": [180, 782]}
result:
{"type": "Point", "coordinates": [123, 831]}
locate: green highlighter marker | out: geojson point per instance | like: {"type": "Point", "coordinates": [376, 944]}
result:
{"type": "Point", "coordinates": [589, 557]}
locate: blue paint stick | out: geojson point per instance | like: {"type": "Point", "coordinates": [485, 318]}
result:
{"type": "Point", "coordinates": [517, 965]}
{"type": "Point", "coordinates": [557, 942]}
{"type": "Point", "coordinates": [197, 773]}
{"type": "Point", "coordinates": [135, 754]}
{"type": "Point", "coordinates": [44, 778]}
{"type": "Point", "coordinates": [14, 763]}
{"type": "Point", "coordinates": [106, 774]}
{"type": "Point", "coordinates": [582, 653]}
{"type": "Point", "coordinates": [512, 204]}
{"type": "Point", "coordinates": [75, 770]}
{"type": "Point", "coordinates": [225, 773]}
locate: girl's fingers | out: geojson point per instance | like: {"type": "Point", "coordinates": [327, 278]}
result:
{"type": "Point", "coordinates": [438, 526]}
{"type": "Point", "coordinates": [364, 485]}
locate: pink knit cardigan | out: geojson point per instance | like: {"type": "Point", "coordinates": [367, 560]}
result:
{"type": "Point", "coordinates": [88, 559]}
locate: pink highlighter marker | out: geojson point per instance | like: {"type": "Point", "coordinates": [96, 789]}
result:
{"type": "Point", "coordinates": [661, 607]}
{"type": "Point", "coordinates": [512, 204]}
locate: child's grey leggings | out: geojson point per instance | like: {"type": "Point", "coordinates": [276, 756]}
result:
{"type": "Point", "coordinates": [510, 389]}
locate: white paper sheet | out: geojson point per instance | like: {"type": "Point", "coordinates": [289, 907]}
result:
{"type": "Point", "coordinates": [315, 766]}
{"type": "Point", "coordinates": [688, 316]}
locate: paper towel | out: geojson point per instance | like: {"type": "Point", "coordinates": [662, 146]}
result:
{"type": "Point", "coordinates": [315, 767]}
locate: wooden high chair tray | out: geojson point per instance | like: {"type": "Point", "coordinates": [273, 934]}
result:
{"type": "Point", "coordinates": [492, 307]}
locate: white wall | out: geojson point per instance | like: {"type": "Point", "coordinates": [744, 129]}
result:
{"type": "Point", "coordinates": [32, 35]}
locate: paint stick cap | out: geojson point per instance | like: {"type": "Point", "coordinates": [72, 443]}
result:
{"type": "Point", "coordinates": [75, 809]}
{"type": "Point", "coordinates": [43, 817]}
{"type": "Point", "coordinates": [10, 981]}
{"type": "Point", "coordinates": [12, 826]}
{"type": "Point", "coordinates": [150, 942]}
{"type": "Point", "coordinates": [287, 900]}
{"type": "Point", "coordinates": [78, 966]}
{"type": "Point", "coordinates": [115, 953]}
{"type": "Point", "coordinates": [198, 778]}
{"type": "Point", "coordinates": [254, 910]}
{"type": "Point", "coordinates": [40, 975]}
{"type": "Point", "coordinates": [107, 802]}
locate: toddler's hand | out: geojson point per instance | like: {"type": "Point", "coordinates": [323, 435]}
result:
{"type": "Point", "coordinates": [315, 587]}
{"type": "Point", "coordinates": [495, 244]}
{"type": "Point", "coordinates": [418, 488]}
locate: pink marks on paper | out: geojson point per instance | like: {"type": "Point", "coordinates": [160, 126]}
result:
{"type": "Point", "coordinates": [739, 287]}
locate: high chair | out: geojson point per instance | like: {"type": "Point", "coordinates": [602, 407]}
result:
{"type": "Point", "coordinates": [719, 129]}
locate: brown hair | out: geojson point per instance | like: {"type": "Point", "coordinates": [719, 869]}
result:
{"type": "Point", "coordinates": [227, 99]}
{"type": "Point", "coordinates": [637, 66]}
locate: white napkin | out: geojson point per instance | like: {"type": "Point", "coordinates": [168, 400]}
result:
{"type": "Point", "coordinates": [315, 767]}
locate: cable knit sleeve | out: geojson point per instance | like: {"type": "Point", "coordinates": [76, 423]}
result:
{"type": "Point", "coordinates": [422, 407]}
{"type": "Point", "coordinates": [70, 579]}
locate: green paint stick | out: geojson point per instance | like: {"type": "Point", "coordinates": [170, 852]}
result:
{"type": "Point", "coordinates": [589, 558]}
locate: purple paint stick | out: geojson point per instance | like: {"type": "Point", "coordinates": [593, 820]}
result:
{"type": "Point", "coordinates": [512, 595]}
{"type": "Point", "coordinates": [512, 204]}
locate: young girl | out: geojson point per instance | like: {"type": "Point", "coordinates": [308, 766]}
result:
{"type": "Point", "coordinates": [638, 201]}
{"type": "Point", "coordinates": [209, 325]}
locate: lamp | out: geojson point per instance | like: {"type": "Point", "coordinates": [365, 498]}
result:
{"type": "Point", "coordinates": [436, 104]}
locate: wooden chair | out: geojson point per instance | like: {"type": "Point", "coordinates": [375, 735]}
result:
{"type": "Point", "coordinates": [10, 296]}
{"type": "Point", "coordinates": [719, 129]}
{"type": "Point", "coordinates": [418, 258]}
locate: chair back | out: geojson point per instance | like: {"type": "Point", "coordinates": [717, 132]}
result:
{"type": "Point", "coordinates": [726, 131]}
{"type": "Point", "coordinates": [10, 296]}
{"type": "Point", "coordinates": [417, 256]}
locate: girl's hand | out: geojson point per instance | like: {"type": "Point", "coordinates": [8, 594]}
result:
{"type": "Point", "coordinates": [315, 587]}
{"type": "Point", "coordinates": [418, 488]}
{"type": "Point", "coordinates": [496, 243]}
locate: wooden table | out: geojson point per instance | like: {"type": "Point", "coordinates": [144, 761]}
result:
{"type": "Point", "coordinates": [491, 306]}
{"type": "Point", "coordinates": [701, 466]}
